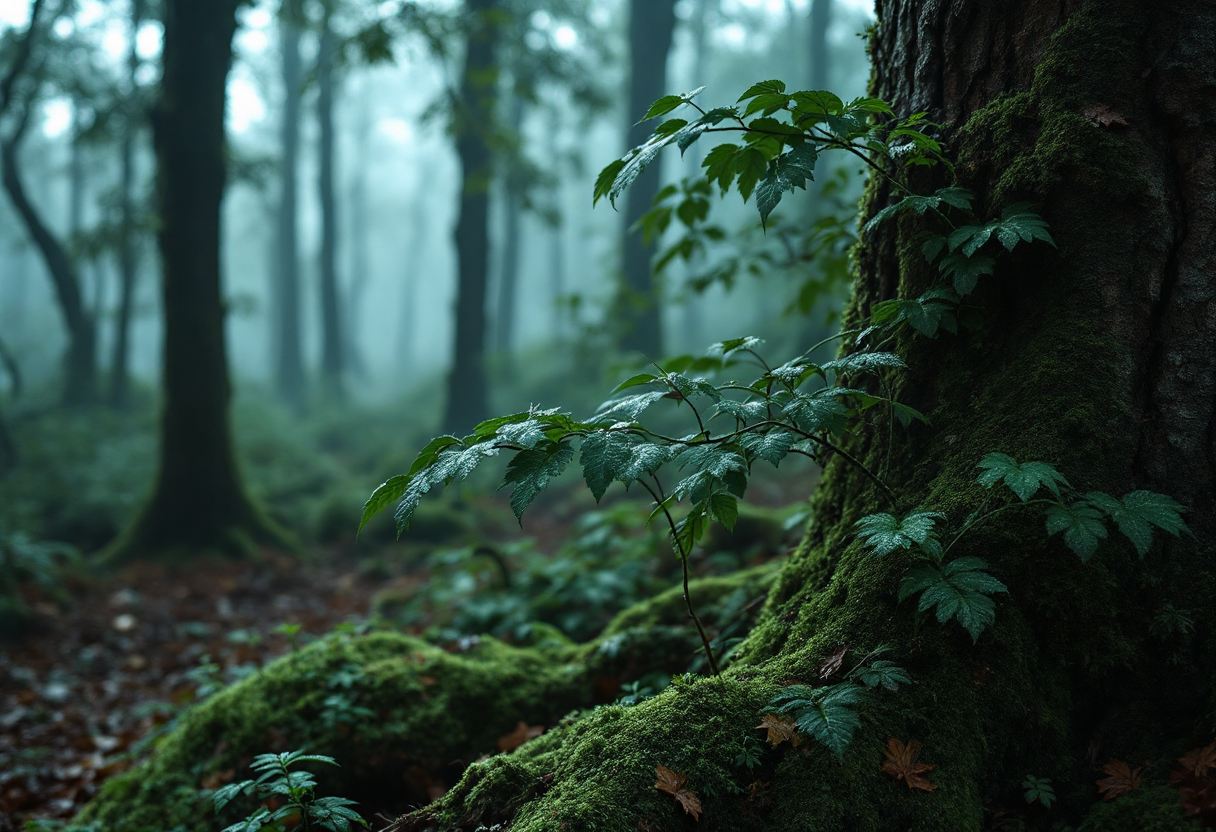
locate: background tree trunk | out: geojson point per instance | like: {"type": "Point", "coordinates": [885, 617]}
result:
{"type": "Point", "coordinates": [467, 401]}
{"type": "Point", "coordinates": [651, 25]}
{"type": "Point", "coordinates": [128, 244]}
{"type": "Point", "coordinates": [198, 502]}
{"type": "Point", "coordinates": [289, 375]}
{"type": "Point", "coordinates": [512, 234]}
{"type": "Point", "coordinates": [820, 75]}
{"type": "Point", "coordinates": [332, 341]}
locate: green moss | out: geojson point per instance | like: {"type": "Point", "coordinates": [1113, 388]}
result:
{"type": "Point", "coordinates": [1148, 809]}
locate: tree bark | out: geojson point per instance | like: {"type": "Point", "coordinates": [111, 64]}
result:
{"type": "Point", "coordinates": [508, 275]}
{"type": "Point", "coordinates": [128, 244]}
{"type": "Point", "coordinates": [332, 340]}
{"type": "Point", "coordinates": [820, 75]}
{"type": "Point", "coordinates": [1099, 358]}
{"type": "Point", "coordinates": [289, 375]}
{"type": "Point", "coordinates": [651, 26]}
{"type": "Point", "coordinates": [80, 365]}
{"type": "Point", "coordinates": [198, 503]}
{"type": "Point", "coordinates": [467, 401]}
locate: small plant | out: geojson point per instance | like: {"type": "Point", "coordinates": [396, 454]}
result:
{"type": "Point", "coordinates": [291, 632]}
{"type": "Point", "coordinates": [296, 788]}
{"type": "Point", "coordinates": [1039, 790]}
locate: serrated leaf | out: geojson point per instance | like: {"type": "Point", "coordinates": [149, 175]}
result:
{"type": "Point", "coordinates": [750, 166]}
{"type": "Point", "coordinates": [882, 673]}
{"type": "Point", "coordinates": [827, 715]}
{"type": "Point", "coordinates": [226, 794]}
{"type": "Point", "coordinates": [866, 362]}
{"type": "Point", "coordinates": [763, 87]}
{"type": "Point", "coordinates": [814, 414]}
{"type": "Point", "coordinates": [629, 407]}
{"type": "Point", "coordinates": [1024, 479]}
{"type": "Point", "coordinates": [772, 446]}
{"type": "Point", "coordinates": [719, 165]}
{"type": "Point", "coordinates": [965, 272]}
{"type": "Point", "coordinates": [959, 590]}
{"type": "Point", "coordinates": [725, 509]}
{"type": "Point", "coordinates": [1082, 526]}
{"type": "Point", "coordinates": [635, 381]}
{"type": "Point", "coordinates": [606, 179]}
{"type": "Point", "coordinates": [817, 102]}
{"type": "Point", "coordinates": [614, 455]}
{"type": "Point", "coordinates": [716, 461]}
{"type": "Point", "coordinates": [785, 173]}
{"type": "Point", "coordinates": [663, 106]}
{"type": "Point", "coordinates": [689, 387]}
{"type": "Point", "coordinates": [524, 434]}
{"type": "Point", "coordinates": [885, 534]}
{"type": "Point", "coordinates": [530, 471]}
{"type": "Point", "coordinates": [384, 496]}
{"type": "Point", "coordinates": [742, 410]}
{"type": "Point", "coordinates": [1138, 513]}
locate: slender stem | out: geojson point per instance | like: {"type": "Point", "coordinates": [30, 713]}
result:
{"type": "Point", "coordinates": [993, 513]}
{"type": "Point", "coordinates": [692, 613]}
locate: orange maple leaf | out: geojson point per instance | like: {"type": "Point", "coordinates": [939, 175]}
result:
{"type": "Point", "coordinates": [901, 764]}
{"type": "Point", "coordinates": [673, 783]}
{"type": "Point", "coordinates": [1200, 760]}
{"type": "Point", "coordinates": [1121, 779]}
{"type": "Point", "coordinates": [780, 729]}
{"type": "Point", "coordinates": [522, 733]}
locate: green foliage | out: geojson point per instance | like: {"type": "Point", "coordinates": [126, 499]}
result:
{"type": "Point", "coordinates": [1039, 790]}
{"type": "Point", "coordinates": [1023, 479]}
{"type": "Point", "coordinates": [959, 590]}
{"type": "Point", "coordinates": [292, 792]}
{"type": "Point", "coordinates": [884, 534]}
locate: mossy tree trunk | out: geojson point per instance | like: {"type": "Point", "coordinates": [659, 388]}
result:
{"type": "Point", "coordinates": [1099, 358]}
{"type": "Point", "coordinates": [198, 501]}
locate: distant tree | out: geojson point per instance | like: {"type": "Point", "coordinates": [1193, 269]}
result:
{"type": "Point", "coordinates": [333, 351]}
{"type": "Point", "coordinates": [10, 368]}
{"type": "Point", "coordinates": [651, 26]}
{"type": "Point", "coordinates": [19, 89]}
{"type": "Point", "coordinates": [821, 66]}
{"type": "Point", "coordinates": [198, 501]}
{"type": "Point", "coordinates": [289, 361]}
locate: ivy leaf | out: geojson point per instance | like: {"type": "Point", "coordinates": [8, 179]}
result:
{"type": "Point", "coordinates": [1023, 479]}
{"type": "Point", "coordinates": [882, 673]}
{"type": "Point", "coordinates": [772, 447]}
{"type": "Point", "coordinates": [885, 534]}
{"type": "Point", "coordinates": [530, 471]}
{"type": "Point", "coordinates": [1138, 513]}
{"type": "Point", "coordinates": [958, 590]}
{"type": "Point", "coordinates": [827, 715]}
{"type": "Point", "coordinates": [1082, 526]}
{"type": "Point", "coordinates": [901, 764]}
{"type": "Point", "coordinates": [785, 173]}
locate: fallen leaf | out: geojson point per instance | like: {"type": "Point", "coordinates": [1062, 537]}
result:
{"type": "Point", "coordinates": [673, 783]}
{"type": "Point", "coordinates": [832, 664]}
{"type": "Point", "coordinates": [1103, 116]}
{"type": "Point", "coordinates": [901, 764]}
{"type": "Point", "coordinates": [1199, 761]}
{"type": "Point", "coordinates": [1121, 779]}
{"type": "Point", "coordinates": [522, 733]}
{"type": "Point", "coordinates": [780, 729]}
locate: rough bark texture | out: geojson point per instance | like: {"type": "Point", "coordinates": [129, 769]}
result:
{"type": "Point", "coordinates": [467, 401]}
{"type": "Point", "coordinates": [289, 373]}
{"type": "Point", "coordinates": [198, 502]}
{"type": "Point", "coordinates": [651, 25]}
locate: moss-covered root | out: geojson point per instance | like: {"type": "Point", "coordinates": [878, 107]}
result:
{"type": "Point", "coordinates": [387, 706]}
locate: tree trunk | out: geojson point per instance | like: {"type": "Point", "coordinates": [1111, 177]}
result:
{"type": "Point", "coordinates": [821, 67]}
{"type": "Point", "coordinates": [357, 237]}
{"type": "Point", "coordinates": [8, 448]}
{"type": "Point", "coordinates": [1099, 358]}
{"type": "Point", "coordinates": [128, 244]}
{"type": "Point", "coordinates": [289, 375]}
{"type": "Point", "coordinates": [467, 401]}
{"type": "Point", "coordinates": [332, 344]}
{"type": "Point", "coordinates": [80, 366]}
{"type": "Point", "coordinates": [198, 503]}
{"type": "Point", "coordinates": [651, 25]}
{"type": "Point", "coordinates": [508, 280]}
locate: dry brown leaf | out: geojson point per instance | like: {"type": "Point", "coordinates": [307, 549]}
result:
{"type": "Point", "coordinates": [1121, 779]}
{"type": "Point", "coordinates": [1200, 760]}
{"type": "Point", "coordinates": [522, 733]}
{"type": "Point", "coordinates": [1103, 116]}
{"type": "Point", "coordinates": [832, 664]}
{"type": "Point", "coordinates": [673, 783]}
{"type": "Point", "coordinates": [901, 764]}
{"type": "Point", "coordinates": [780, 729]}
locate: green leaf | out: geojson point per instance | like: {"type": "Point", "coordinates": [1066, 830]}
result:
{"type": "Point", "coordinates": [530, 471]}
{"type": "Point", "coordinates": [719, 165]}
{"type": "Point", "coordinates": [828, 715]}
{"type": "Point", "coordinates": [866, 362]}
{"type": "Point", "coordinates": [813, 414]}
{"type": "Point", "coordinates": [965, 272]}
{"type": "Point", "coordinates": [785, 173]}
{"type": "Point", "coordinates": [1082, 526]}
{"type": "Point", "coordinates": [930, 312]}
{"type": "Point", "coordinates": [690, 530]}
{"type": "Point", "coordinates": [715, 460]}
{"type": "Point", "coordinates": [629, 407]}
{"type": "Point", "coordinates": [745, 411]}
{"type": "Point", "coordinates": [606, 179]}
{"type": "Point", "coordinates": [616, 455]}
{"type": "Point", "coordinates": [663, 106]}
{"type": "Point", "coordinates": [1023, 479]}
{"type": "Point", "coordinates": [690, 387]}
{"type": "Point", "coordinates": [750, 166]}
{"type": "Point", "coordinates": [1138, 513]}
{"type": "Point", "coordinates": [772, 447]}
{"type": "Point", "coordinates": [885, 534]}
{"type": "Point", "coordinates": [226, 794]}
{"type": "Point", "coordinates": [763, 88]}
{"type": "Point", "coordinates": [725, 509]}
{"type": "Point", "coordinates": [882, 673]}
{"type": "Point", "coordinates": [817, 102]}
{"type": "Point", "coordinates": [959, 590]}
{"type": "Point", "coordinates": [385, 495]}
{"type": "Point", "coordinates": [635, 381]}
{"type": "Point", "coordinates": [695, 129]}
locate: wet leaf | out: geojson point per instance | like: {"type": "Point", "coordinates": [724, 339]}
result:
{"type": "Point", "coordinates": [780, 730]}
{"type": "Point", "coordinates": [901, 764]}
{"type": "Point", "coordinates": [673, 783]}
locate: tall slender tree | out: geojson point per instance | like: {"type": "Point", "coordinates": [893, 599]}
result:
{"type": "Point", "coordinates": [473, 114]}
{"type": "Point", "coordinates": [129, 238]}
{"type": "Point", "coordinates": [198, 502]}
{"type": "Point", "coordinates": [651, 27]}
{"type": "Point", "coordinates": [18, 94]}
{"type": "Point", "coordinates": [820, 60]}
{"type": "Point", "coordinates": [289, 359]}
{"type": "Point", "coordinates": [333, 343]}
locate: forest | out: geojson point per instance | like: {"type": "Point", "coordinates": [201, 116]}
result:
{"type": "Point", "coordinates": [607, 415]}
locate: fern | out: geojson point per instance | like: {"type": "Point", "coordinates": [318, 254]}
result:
{"type": "Point", "coordinates": [827, 715]}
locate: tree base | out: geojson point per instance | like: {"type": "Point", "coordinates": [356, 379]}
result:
{"type": "Point", "coordinates": [151, 536]}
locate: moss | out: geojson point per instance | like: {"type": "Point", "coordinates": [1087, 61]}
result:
{"type": "Point", "coordinates": [1148, 809]}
